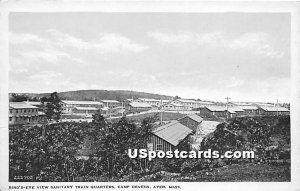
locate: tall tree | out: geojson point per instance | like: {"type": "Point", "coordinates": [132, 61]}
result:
{"type": "Point", "coordinates": [114, 140]}
{"type": "Point", "coordinates": [98, 119]}
{"type": "Point", "coordinates": [43, 99]}
{"type": "Point", "coordinates": [54, 107]}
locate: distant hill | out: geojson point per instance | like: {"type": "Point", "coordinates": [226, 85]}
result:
{"type": "Point", "coordinates": [85, 95]}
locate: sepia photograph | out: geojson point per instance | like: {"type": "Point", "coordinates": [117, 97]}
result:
{"type": "Point", "coordinates": [143, 96]}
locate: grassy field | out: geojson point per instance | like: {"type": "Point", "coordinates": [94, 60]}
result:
{"type": "Point", "coordinates": [167, 116]}
{"type": "Point", "coordinates": [247, 172]}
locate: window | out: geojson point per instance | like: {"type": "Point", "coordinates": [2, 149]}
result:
{"type": "Point", "coordinates": [150, 146]}
{"type": "Point", "coordinates": [10, 118]}
{"type": "Point", "coordinates": [10, 111]}
{"type": "Point", "coordinates": [17, 111]}
{"type": "Point", "coordinates": [159, 147]}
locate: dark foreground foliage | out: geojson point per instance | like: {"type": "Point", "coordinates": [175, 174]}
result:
{"type": "Point", "coordinates": [52, 155]}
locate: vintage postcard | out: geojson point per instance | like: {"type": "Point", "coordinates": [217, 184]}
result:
{"type": "Point", "coordinates": [148, 95]}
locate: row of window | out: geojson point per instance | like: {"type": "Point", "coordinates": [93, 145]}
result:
{"type": "Point", "coordinates": [141, 107]}
{"type": "Point", "coordinates": [34, 118]}
{"type": "Point", "coordinates": [23, 110]}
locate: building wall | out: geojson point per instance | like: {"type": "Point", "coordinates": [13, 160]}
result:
{"type": "Point", "coordinates": [186, 106]}
{"type": "Point", "coordinates": [155, 140]}
{"type": "Point", "coordinates": [204, 112]}
{"type": "Point", "coordinates": [23, 116]}
{"type": "Point", "coordinates": [172, 107]}
{"type": "Point", "coordinates": [154, 103]}
{"type": "Point", "coordinates": [239, 113]}
{"type": "Point", "coordinates": [263, 112]}
{"type": "Point", "coordinates": [189, 123]}
{"type": "Point", "coordinates": [250, 111]}
{"type": "Point", "coordinates": [70, 108]}
{"type": "Point", "coordinates": [83, 111]}
{"type": "Point", "coordinates": [111, 104]}
{"type": "Point", "coordinates": [220, 113]}
{"type": "Point", "coordinates": [232, 115]}
{"type": "Point", "coordinates": [191, 105]}
{"type": "Point", "coordinates": [139, 109]}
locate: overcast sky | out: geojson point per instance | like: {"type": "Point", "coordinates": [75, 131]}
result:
{"type": "Point", "coordinates": [210, 56]}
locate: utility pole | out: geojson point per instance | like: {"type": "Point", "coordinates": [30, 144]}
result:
{"type": "Point", "coordinates": [277, 108]}
{"type": "Point", "coordinates": [161, 107]}
{"type": "Point", "coordinates": [227, 98]}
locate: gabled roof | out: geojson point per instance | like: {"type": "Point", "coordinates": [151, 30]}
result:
{"type": "Point", "coordinates": [231, 111]}
{"type": "Point", "coordinates": [34, 103]}
{"type": "Point", "coordinates": [205, 102]}
{"type": "Point", "coordinates": [73, 102]}
{"type": "Point", "coordinates": [149, 99]}
{"type": "Point", "coordinates": [274, 108]}
{"type": "Point", "coordinates": [172, 132]}
{"type": "Point", "coordinates": [194, 101]}
{"type": "Point", "coordinates": [235, 109]}
{"type": "Point", "coordinates": [139, 104]}
{"type": "Point", "coordinates": [186, 100]}
{"type": "Point", "coordinates": [248, 107]}
{"type": "Point", "coordinates": [195, 117]}
{"type": "Point", "coordinates": [216, 108]}
{"type": "Point", "coordinates": [264, 104]}
{"type": "Point", "coordinates": [21, 105]}
{"type": "Point", "coordinates": [109, 101]}
{"type": "Point", "coordinates": [224, 108]}
{"type": "Point", "coordinates": [174, 104]}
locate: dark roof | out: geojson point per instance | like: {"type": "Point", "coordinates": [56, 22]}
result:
{"type": "Point", "coordinates": [195, 117]}
{"type": "Point", "coordinates": [216, 108]}
{"type": "Point", "coordinates": [172, 132]}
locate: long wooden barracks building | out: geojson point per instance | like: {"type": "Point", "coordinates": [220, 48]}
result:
{"type": "Point", "coordinates": [192, 121]}
{"type": "Point", "coordinates": [168, 136]}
